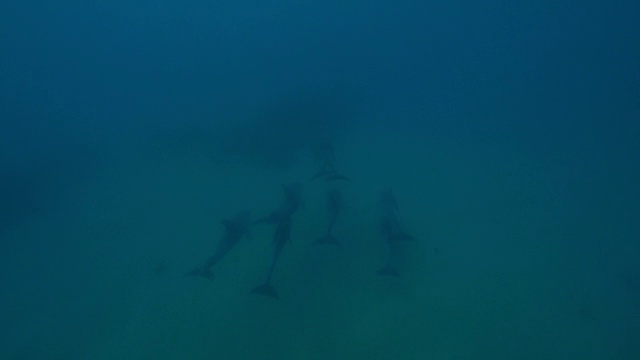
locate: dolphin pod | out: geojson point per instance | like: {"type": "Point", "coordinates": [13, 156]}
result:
{"type": "Point", "coordinates": [282, 218]}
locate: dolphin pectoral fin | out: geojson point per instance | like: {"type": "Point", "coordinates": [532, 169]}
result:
{"type": "Point", "coordinates": [201, 271]}
{"type": "Point", "coordinates": [388, 270]}
{"type": "Point", "coordinates": [329, 239]}
{"type": "Point", "coordinates": [265, 289]}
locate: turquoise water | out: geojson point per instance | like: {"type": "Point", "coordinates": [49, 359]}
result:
{"type": "Point", "coordinates": [508, 134]}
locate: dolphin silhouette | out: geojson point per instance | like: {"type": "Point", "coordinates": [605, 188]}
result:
{"type": "Point", "coordinates": [281, 237]}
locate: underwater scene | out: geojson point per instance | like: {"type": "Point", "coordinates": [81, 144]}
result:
{"type": "Point", "coordinates": [443, 180]}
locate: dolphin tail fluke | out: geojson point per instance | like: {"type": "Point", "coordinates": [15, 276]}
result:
{"type": "Point", "coordinates": [388, 270]}
{"type": "Point", "coordinates": [265, 289]}
{"type": "Point", "coordinates": [202, 272]}
{"type": "Point", "coordinates": [329, 239]}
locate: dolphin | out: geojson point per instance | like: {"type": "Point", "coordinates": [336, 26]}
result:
{"type": "Point", "coordinates": [334, 207]}
{"type": "Point", "coordinates": [280, 239]}
{"type": "Point", "coordinates": [234, 229]}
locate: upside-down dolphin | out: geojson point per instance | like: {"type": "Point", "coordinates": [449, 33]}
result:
{"type": "Point", "coordinates": [281, 237]}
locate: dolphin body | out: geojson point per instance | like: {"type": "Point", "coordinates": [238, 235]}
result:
{"type": "Point", "coordinates": [334, 207]}
{"type": "Point", "coordinates": [234, 230]}
{"type": "Point", "coordinates": [280, 239]}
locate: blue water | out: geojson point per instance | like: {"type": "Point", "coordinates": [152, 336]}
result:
{"type": "Point", "coordinates": [509, 133]}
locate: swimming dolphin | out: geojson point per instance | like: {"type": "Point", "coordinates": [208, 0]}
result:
{"type": "Point", "coordinates": [280, 239]}
{"type": "Point", "coordinates": [334, 207]}
{"type": "Point", "coordinates": [234, 229]}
